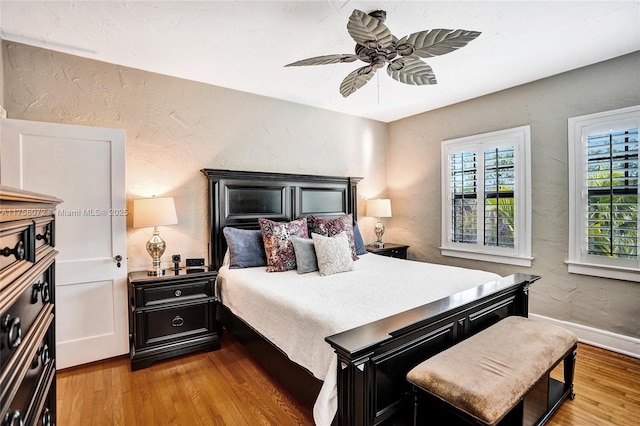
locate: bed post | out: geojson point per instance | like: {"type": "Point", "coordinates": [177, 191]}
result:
{"type": "Point", "coordinates": [352, 197]}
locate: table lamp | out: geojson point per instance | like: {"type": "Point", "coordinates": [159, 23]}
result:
{"type": "Point", "coordinates": [148, 212]}
{"type": "Point", "coordinates": [379, 208]}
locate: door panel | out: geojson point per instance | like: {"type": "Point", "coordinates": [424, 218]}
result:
{"type": "Point", "coordinates": [84, 166]}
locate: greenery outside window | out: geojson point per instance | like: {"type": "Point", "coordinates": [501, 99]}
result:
{"type": "Point", "coordinates": [486, 197]}
{"type": "Point", "coordinates": [603, 194]}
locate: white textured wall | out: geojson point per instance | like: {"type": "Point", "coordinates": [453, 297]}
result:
{"type": "Point", "coordinates": [1, 73]}
{"type": "Point", "coordinates": [176, 127]}
{"type": "Point", "coordinates": [413, 175]}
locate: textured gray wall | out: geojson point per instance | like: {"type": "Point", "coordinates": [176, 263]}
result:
{"type": "Point", "coordinates": [176, 127]}
{"type": "Point", "coordinates": [413, 177]}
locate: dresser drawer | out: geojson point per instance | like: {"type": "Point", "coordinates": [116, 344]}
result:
{"type": "Point", "coordinates": [33, 375]}
{"type": "Point", "coordinates": [44, 236]}
{"type": "Point", "coordinates": [46, 414]}
{"type": "Point", "coordinates": [43, 412]}
{"type": "Point", "coordinates": [17, 248]}
{"type": "Point", "coordinates": [174, 291]}
{"type": "Point", "coordinates": [16, 320]}
{"type": "Point", "coordinates": [162, 325]}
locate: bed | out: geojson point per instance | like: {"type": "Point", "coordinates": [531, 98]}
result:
{"type": "Point", "coordinates": [358, 363]}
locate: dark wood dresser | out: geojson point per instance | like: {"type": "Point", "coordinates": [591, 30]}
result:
{"type": "Point", "coordinates": [171, 315]}
{"type": "Point", "coordinates": [27, 301]}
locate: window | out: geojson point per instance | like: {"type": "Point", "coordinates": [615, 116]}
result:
{"type": "Point", "coordinates": [486, 197]}
{"type": "Point", "coordinates": [603, 194]}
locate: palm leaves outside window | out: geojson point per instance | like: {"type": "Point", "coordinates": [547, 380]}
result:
{"type": "Point", "coordinates": [612, 182]}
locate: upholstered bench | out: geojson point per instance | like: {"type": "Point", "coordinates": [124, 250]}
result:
{"type": "Point", "coordinates": [502, 372]}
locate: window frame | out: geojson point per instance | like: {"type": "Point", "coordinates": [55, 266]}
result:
{"type": "Point", "coordinates": [580, 261]}
{"type": "Point", "coordinates": [520, 254]}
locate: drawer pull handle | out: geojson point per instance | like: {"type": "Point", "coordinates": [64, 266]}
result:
{"type": "Point", "coordinates": [177, 321]}
{"type": "Point", "coordinates": [46, 417]}
{"type": "Point", "coordinates": [17, 251]}
{"type": "Point", "coordinates": [43, 289]}
{"type": "Point", "coordinates": [178, 293]}
{"type": "Point", "coordinates": [14, 331]}
{"type": "Point", "coordinates": [46, 237]}
{"type": "Point", "coordinates": [44, 354]}
{"type": "Point", "coordinates": [13, 419]}
{"type": "Point", "coordinates": [44, 292]}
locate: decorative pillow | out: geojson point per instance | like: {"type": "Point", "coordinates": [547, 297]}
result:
{"type": "Point", "coordinates": [333, 253]}
{"type": "Point", "coordinates": [329, 228]}
{"type": "Point", "coordinates": [246, 248]}
{"type": "Point", "coordinates": [306, 260]}
{"type": "Point", "coordinates": [277, 242]}
{"type": "Point", "coordinates": [359, 242]}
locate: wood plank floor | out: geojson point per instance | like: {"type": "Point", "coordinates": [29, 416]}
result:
{"type": "Point", "coordinates": [227, 387]}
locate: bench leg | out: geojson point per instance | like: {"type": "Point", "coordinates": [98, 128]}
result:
{"type": "Point", "coordinates": [569, 371]}
{"type": "Point", "coordinates": [415, 406]}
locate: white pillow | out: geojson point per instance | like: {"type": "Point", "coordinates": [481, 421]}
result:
{"type": "Point", "coordinates": [333, 253]}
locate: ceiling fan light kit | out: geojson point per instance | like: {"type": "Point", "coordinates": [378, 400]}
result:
{"type": "Point", "coordinates": [377, 47]}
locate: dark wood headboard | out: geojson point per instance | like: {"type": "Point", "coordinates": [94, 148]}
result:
{"type": "Point", "coordinates": [239, 198]}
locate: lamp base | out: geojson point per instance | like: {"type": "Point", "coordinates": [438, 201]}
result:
{"type": "Point", "coordinates": [155, 272]}
{"type": "Point", "coordinates": [155, 248]}
{"type": "Point", "coordinates": [379, 229]}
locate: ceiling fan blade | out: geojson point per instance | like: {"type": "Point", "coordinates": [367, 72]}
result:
{"type": "Point", "coordinates": [323, 60]}
{"type": "Point", "coordinates": [428, 43]}
{"type": "Point", "coordinates": [368, 31]}
{"type": "Point", "coordinates": [356, 80]}
{"type": "Point", "coordinates": [411, 71]}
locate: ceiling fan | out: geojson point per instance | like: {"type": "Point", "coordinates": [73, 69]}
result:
{"type": "Point", "coordinates": [376, 46]}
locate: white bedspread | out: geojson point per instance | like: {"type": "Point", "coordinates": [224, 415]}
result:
{"type": "Point", "coordinates": [297, 311]}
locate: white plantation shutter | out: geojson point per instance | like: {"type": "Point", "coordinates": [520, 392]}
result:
{"type": "Point", "coordinates": [486, 197]}
{"type": "Point", "coordinates": [603, 194]}
{"type": "Point", "coordinates": [612, 202]}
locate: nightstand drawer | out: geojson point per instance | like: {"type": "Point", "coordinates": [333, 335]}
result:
{"type": "Point", "coordinates": [176, 291]}
{"type": "Point", "coordinates": [160, 326]}
{"type": "Point", "coordinates": [399, 253]}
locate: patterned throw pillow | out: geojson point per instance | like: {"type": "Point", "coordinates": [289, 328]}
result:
{"type": "Point", "coordinates": [277, 242]}
{"type": "Point", "coordinates": [333, 253]}
{"type": "Point", "coordinates": [329, 228]}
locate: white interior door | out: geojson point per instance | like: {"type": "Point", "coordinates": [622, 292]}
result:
{"type": "Point", "coordinates": [84, 166]}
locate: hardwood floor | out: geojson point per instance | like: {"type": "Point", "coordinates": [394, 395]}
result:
{"type": "Point", "coordinates": [227, 387]}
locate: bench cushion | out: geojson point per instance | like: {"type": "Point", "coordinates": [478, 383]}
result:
{"type": "Point", "coordinates": [487, 374]}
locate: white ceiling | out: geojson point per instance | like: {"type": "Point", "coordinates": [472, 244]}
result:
{"type": "Point", "coordinates": [244, 45]}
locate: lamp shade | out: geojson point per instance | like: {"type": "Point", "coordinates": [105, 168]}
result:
{"type": "Point", "coordinates": [149, 212]}
{"type": "Point", "coordinates": [379, 208]}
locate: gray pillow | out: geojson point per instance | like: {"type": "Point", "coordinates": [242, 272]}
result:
{"type": "Point", "coordinates": [246, 247]}
{"type": "Point", "coordinates": [306, 260]}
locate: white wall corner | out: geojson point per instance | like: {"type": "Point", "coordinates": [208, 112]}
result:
{"type": "Point", "coordinates": [600, 338]}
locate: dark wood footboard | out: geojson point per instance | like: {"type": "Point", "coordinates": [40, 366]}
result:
{"type": "Point", "coordinates": [374, 359]}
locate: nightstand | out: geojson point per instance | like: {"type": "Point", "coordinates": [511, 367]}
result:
{"type": "Point", "coordinates": [171, 315]}
{"type": "Point", "coordinates": [390, 250]}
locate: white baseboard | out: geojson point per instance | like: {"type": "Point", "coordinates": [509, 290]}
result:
{"type": "Point", "coordinates": [603, 339]}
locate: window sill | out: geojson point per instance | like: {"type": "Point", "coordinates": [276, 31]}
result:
{"type": "Point", "coordinates": [487, 257]}
{"type": "Point", "coordinates": [604, 271]}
